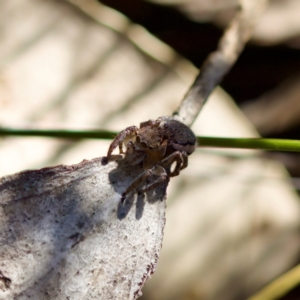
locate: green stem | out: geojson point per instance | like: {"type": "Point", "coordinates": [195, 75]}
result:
{"type": "Point", "coordinates": [241, 143]}
{"type": "Point", "coordinates": [59, 133]}
{"type": "Point", "coordinates": [251, 143]}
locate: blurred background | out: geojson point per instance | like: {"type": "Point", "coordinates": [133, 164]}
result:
{"type": "Point", "coordinates": [233, 216]}
{"type": "Point", "coordinates": [265, 81]}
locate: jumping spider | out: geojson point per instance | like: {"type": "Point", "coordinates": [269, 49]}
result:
{"type": "Point", "coordinates": [156, 145]}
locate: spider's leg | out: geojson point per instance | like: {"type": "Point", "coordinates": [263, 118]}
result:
{"type": "Point", "coordinates": [156, 170]}
{"type": "Point", "coordinates": [162, 176]}
{"type": "Point", "coordinates": [184, 160]}
{"type": "Point", "coordinates": [181, 162]}
{"type": "Point", "coordinates": [135, 183]}
{"type": "Point", "coordinates": [118, 141]}
{"type": "Point", "coordinates": [121, 148]}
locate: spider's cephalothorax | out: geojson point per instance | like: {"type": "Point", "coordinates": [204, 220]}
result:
{"type": "Point", "coordinates": [156, 145]}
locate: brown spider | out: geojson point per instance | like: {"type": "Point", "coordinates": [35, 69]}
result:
{"type": "Point", "coordinates": [156, 145]}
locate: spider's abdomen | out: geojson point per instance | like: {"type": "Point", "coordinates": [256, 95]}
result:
{"type": "Point", "coordinates": [180, 137]}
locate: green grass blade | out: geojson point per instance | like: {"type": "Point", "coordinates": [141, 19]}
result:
{"type": "Point", "coordinates": [240, 143]}
{"type": "Point", "coordinates": [280, 286]}
{"type": "Point", "coordinates": [251, 143]}
{"type": "Point", "coordinates": [59, 133]}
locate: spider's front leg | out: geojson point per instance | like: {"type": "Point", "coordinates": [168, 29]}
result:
{"type": "Point", "coordinates": [119, 139]}
{"type": "Point", "coordinates": [181, 159]}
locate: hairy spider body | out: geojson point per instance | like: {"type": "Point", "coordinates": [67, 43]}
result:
{"type": "Point", "coordinates": [156, 145]}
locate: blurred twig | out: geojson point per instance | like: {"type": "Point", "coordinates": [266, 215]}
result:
{"type": "Point", "coordinates": [219, 62]}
